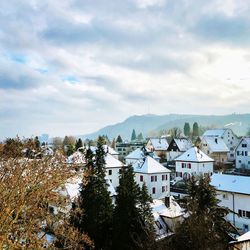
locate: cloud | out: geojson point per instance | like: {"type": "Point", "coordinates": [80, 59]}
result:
{"type": "Point", "coordinates": [71, 67]}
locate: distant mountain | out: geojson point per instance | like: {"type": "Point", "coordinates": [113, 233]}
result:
{"type": "Point", "coordinates": [148, 124]}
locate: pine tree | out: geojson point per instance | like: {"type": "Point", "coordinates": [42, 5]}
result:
{"type": "Point", "coordinates": [206, 227]}
{"type": "Point", "coordinates": [93, 211]}
{"type": "Point", "coordinates": [140, 137]}
{"type": "Point", "coordinates": [79, 143]}
{"type": "Point", "coordinates": [37, 143]}
{"type": "Point", "coordinates": [119, 139]}
{"type": "Point", "coordinates": [113, 144]}
{"type": "Point", "coordinates": [195, 129]}
{"type": "Point", "coordinates": [187, 129]}
{"type": "Point", "coordinates": [132, 218]}
{"type": "Point", "coordinates": [133, 136]}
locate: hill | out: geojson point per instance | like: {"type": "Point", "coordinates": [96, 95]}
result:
{"type": "Point", "coordinates": [151, 124]}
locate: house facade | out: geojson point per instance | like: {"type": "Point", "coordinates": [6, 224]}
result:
{"type": "Point", "coordinates": [234, 193]}
{"type": "Point", "coordinates": [158, 145]}
{"type": "Point", "coordinates": [193, 162]}
{"type": "Point", "coordinates": [216, 148]}
{"type": "Point", "coordinates": [154, 175]}
{"type": "Point", "coordinates": [228, 136]}
{"type": "Point", "coordinates": [242, 158]}
{"type": "Point", "coordinates": [177, 147]}
{"type": "Point", "coordinates": [113, 168]}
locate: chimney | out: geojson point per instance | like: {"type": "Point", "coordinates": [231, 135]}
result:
{"type": "Point", "coordinates": [167, 201]}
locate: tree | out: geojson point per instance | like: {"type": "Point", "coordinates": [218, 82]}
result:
{"type": "Point", "coordinates": [248, 132]}
{"type": "Point", "coordinates": [93, 211]}
{"type": "Point", "coordinates": [140, 137]}
{"type": "Point", "coordinates": [132, 218]}
{"type": "Point", "coordinates": [187, 129]}
{"type": "Point", "coordinates": [174, 132]}
{"type": "Point", "coordinates": [113, 144]}
{"type": "Point", "coordinates": [119, 139]}
{"type": "Point", "coordinates": [57, 142]}
{"type": "Point", "coordinates": [79, 144]}
{"type": "Point", "coordinates": [133, 136]}
{"type": "Point", "coordinates": [37, 143]}
{"type": "Point", "coordinates": [205, 227]}
{"type": "Point", "coordinates": [195, 129]}
{"type": "Point", "coordinates": [27, 188]}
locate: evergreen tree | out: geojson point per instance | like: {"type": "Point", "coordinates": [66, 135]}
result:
{"type": "Point", "coordinates": [93, 211]}
{"type": "Point", "coordinates": [187, 129]}
{"type": "Point", "coordinates": [206, 227]}
{"type": "Point", "coordinates": [70, 150]}
{"type": "Point", "coordinates": [133, 136]}
{"type": "Point", "coordinates": [195, 129]}
{"type": "Point", "coordinates": [37, 143]}
{"type": "Point", "coordinates": [79, 144]}
{"type": "Point", "coordinates": [140, 137]}
{"type": "Point", "coordinates": [132, 219]}
{"type": "Point", "coordinates": [119, 139]}
{"type": "Point", "coordinates": [113, 144]}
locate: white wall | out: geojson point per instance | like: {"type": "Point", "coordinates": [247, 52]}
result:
{"type": "Point", "coordinates": [196, 168]}
{"type": "Point", "coordinates": [157, 184]}
{"type": "Point", "coordinates": [241, 201]}
{"type": "Point", "coordinates": [243, 160]}
{"type": "Point", "coordinates": [114, 178]}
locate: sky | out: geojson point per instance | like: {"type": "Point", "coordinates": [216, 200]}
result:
{"type": "Point", "coordinates": [74, 66]}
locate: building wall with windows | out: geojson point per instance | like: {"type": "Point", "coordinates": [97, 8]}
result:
{"type": "Point", "coordinates": [240, 204]}
{"type": "Point", "coordinates": [187, 169]}
{"type": "Point", "coordinates": [158, 184]}
{"type": "Point", "coordinates": [242, 152]}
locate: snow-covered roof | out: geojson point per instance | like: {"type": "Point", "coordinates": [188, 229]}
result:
{"type": "Point", "coordinates": [215, 132]}
{"type": "Point", "coordinates": [215, 144]}
{"type": "Point", "coordinates": [194, 155]}
{"type": "Point", "coordinates": [231, 183]}
{"type": "Point", "coordinates": [112, 162]}
{"type": "Point", "coordinates": [174, 210]}
{"type": "Point", "coordinates": [107, 149]}
{"type": "Point", "coordinates": [244, 237]}
{"type": "Point", "coordinates": [159, 143]}
{"type": "Point", "coordinates": [73, 187]}
{"type": "Point", "coordinates": [183, 144]}
{"type": "Point", "coordinates": [149, 165]}
{"type": "Point", "coordinates": [140, 154]}
{"type": "Point", "coordinates": [76, 158]}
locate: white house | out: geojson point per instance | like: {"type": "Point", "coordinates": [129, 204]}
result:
{"type": "Point", "coordinates": [193, 162]}
{"type": "Point", "coordinates": [228, 136]}
{"type": "Point", "coordinates": [177, 147]}
{"type": "Point", "coordinates": [139, 154]}
{"type": "Point", "coordinates": [242, 158]}
{"type": "Point", "coordinates": [155, 176]}
{"type": "Point", "coordinates": [113, 167]}
{"type": "Point", "coordinates": [234, 193]}
{"type": "Point", "coordinates": [215, 147]}
{"type": "Point", "coordinates": [158, 145]}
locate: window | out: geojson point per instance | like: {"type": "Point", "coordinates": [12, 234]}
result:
{"type": "Point", "coordinates": [182, 165]}
{"type": "Point", "coordinates": [166, 177]}
{"type": "Point", "coordinates": [243, 213]}
{"type": "Point", "coordinates": [152, 178]}
{"type": "Point", "coordinates": [153, 190]}
{"type": "Point", "coordinates": [110, 180]}
{"type": "Point", "coordinates": [163, 189]}
{"type": "Point", "coordinates": [110, 172]}
{"type": "Point", "coordinates": [244, 145]}
{"type": "Point", "coordinates": [245, 153]}
{"type": "Point", "coordinates": [155, 178]}
{"type": "Point", "coordinates": [189, 165]}
{"type": "Point", "coordinates": [141, 177]}
{"type": "Point", "coordinates": [163, 177]}
{"type": "Point", "coordinates": [225, 196]}
{"type": "Point", "coordinates": [239, 161]}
